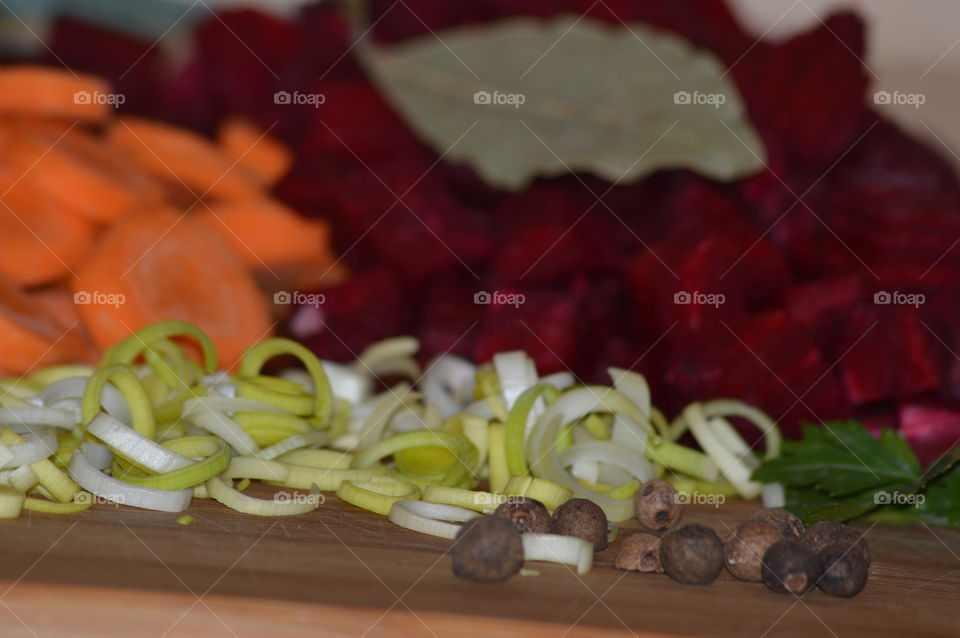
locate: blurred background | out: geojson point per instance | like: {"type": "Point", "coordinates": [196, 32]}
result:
{"type": "Point", "coordinates": [858, 198]}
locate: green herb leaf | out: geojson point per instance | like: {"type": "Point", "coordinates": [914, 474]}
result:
{"type": "Point", "coordinates": [840, 459]}
{"type": "Point", "coordinates": [524, 98]}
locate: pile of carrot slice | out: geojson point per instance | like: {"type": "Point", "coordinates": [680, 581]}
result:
{"type": "Point", "coordinates": [109, 224]}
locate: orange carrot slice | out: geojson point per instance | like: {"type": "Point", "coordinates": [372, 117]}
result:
{"type": "Point", "coordinates": [82, 174]}
{"type": "Point", "coordinates": [174, 154]}
{"type": "Point", "coordinates": [243, 141]}
{"type": "Point", "coordinates": [37, 90]}
{"type": "Point", "coordinates": [265, 233]}
{"type": "Point", "coordinates": [62, 307]}
{"type": "Point", "coordinates": [39, 242]}
{"type": "Point", "coordinates": [161, 265]}
{"type": "Point", "coordinates": [31, 337]}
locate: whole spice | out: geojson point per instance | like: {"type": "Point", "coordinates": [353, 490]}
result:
{"type": "Point", "coordinates": [844, 571]}
{"type": "Point", "coordinates": [790, 566]}
{"type": "Point", "coordinates": [692, 554]}
{"type": "Point", "coordinates": [526, 514]}
{"type": "Point", "coordinates": [743, 551]}
{"type": "Point", "coordinates": [787, 523]}
{"type": "Point", "coordinates": [639, 553]}
{"type": "Point", "coordinates": [582, 518]}
{"type": "Point", "coordinates": [822, 534]}
{"type": "Point", "coordinates": [487, 550]}
{"type": "Point", "coordinates": [657, 506]}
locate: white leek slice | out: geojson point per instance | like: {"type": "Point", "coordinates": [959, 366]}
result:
{"type": "Point", "coordinates": [730, 464]}
{"type": "Point", "coordinates": [283, 503]}
{"type": "Point", "coordinates": [219, 424]}
{"type": "Point", "coordinates": [27, 416]}
{"type": "Point", "coordinates": [36, 446]}
{"type": "Point", "coordinates": [390, 356]}
{"type": "Point", "coordinates": [567, 550]}
{"type": "Point", "coordinates": [559, 380]}
{"type": "Point", "coordinates": [73, 388]}
{"type": "Point", "coordinates": [607, 452]}
{"type": "Point", "coordinates": [99, 455]}
{"type": "Point", "coordinates": [634, 386]}
{"type": "Point", "coordinates": [292, 443]}
{"type": "Point", "coordinates": [731, 407]}
{"type": "Point", "coordinates": [773, 495]}
{"type": "Point", "coordinates": [345, 382]}
{"type": "Point", "coordinates": [93, 480]}
{"type": "Point", "coordinates": [430, 518]}
{"type": "Point", "coordinates": [227, 405]}
{"type": "Point", "coordinates": [516, 372]}
{"type": "Point", "coordinates": [134, 446]}
{"type": "Point", "coordinates": [448, 383]}
{"type": "Point", "coordinates": [372, 428]}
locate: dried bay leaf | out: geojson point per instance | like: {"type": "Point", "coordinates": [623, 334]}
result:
{"type": "Point", "coordinates": [524, 98]}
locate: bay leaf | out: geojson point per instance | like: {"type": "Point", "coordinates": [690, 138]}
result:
{"type": "Point", "coordinates": [523, 98]}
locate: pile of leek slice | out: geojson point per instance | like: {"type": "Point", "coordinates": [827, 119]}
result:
{"type": "Point", "coordinates": [157, 423]}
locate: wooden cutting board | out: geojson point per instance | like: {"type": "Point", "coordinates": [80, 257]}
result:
{"type": "Point", "coordinates": [340, 571]}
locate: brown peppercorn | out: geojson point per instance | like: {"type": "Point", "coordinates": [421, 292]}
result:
{"type": "Point", "coordinates": [526, 514]}
{"type": "Point", "coordinates": [788, 523]}
{"type": "Point", "coordinates": [639, 553]}
{"type": "Point", "coordinates": [744, 549]}
{"type": "Point", "coordinates": [790, 566]}
{"type": "Point", "coordinates": [582, 518]}
{"type": "Point", "coordinates": [844, 571]}
{"type": "Point", "coordinates": [822, 534]}
{"type": "Point", "coordinates": [487, 549]}
{"type": "Point", "coordinates": [692, 554]}
{"type": "Point", "coordinates": [657, 506]}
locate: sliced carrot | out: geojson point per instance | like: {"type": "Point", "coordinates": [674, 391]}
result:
{"type": "Point", "coordinates": [30, 336]}
{"type": "Point", "coordinates": [82, 174]}
{"type": "Point", "coordinates": [174, 154]}
{"type": "Point", "coordinates": [243, 141]}
{"type": "Point", "coordinates": [39, 241]}
{"type": "Point", "coordinates": [162, 265]}
{"type": "Point", "coordinates": [267, 233]}
{"type": "Point", "coordinates": [44, 91]}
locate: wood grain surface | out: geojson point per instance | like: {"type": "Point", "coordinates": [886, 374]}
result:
{"type": "Point", "coordinates": [340, 571]}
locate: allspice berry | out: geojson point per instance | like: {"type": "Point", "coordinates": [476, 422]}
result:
{"type": "Point", "coordinates": [692, 554]}
{"type": "Point", "coordinates": [526, 514]}
{"type": "Point", "coordinates": [743, 551]}
{"type": "Point", "coordinates": [844, 571]}
{"type": "Point", "coordinates": [657, 506]}
{"type": "Point", "coordinates": [582, 518]}
{"type": "Point", "coordinates": [822, 534]}
{"type": "Point", "coordinates": [788, 523]}
{"type": "Point", "coordinates": [487, 549]}
{"type": "Point", "coordinates": [790, 567]}
{"type": "Point", "coordinates": [639, 553]}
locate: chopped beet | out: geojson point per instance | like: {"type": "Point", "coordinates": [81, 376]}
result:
{"type": "Point", "coordinates": [544, 324]}
{"type": "Point", "coordinates": [366, 308]}
{"type": "Point", "coordinates": [132, 66]}
{"type": "Point", "coordinates": [450, 320]}
{"type": "Point", "coordinates": [821, 307]}
{"type": "Point", "coordinates": [809, 93]}
{"type": "Point", "coordinates": [930, 428]}
{"type": "Point", "coordinates": [244, 53]}
{"type": "Point", "coordinates": [888, 354]}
